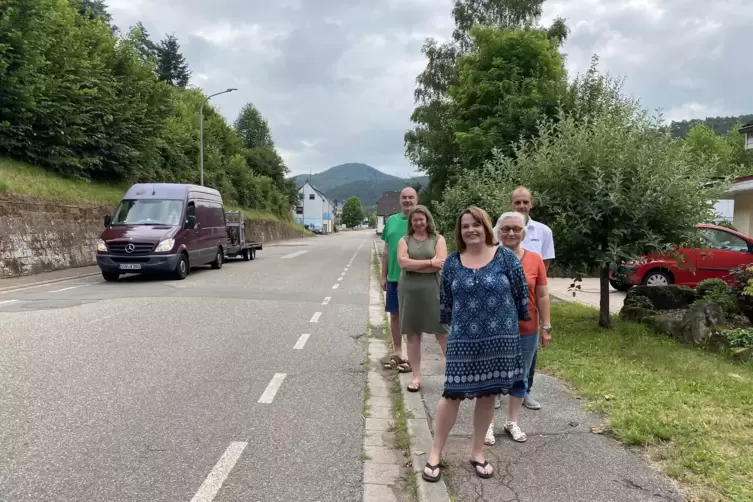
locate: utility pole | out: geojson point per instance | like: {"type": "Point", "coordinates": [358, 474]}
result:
{"type": "Point", "coordinates": [201, 130]}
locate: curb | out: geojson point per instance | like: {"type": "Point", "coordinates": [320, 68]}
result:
{"type": "Point", "coordinates": [9, 289]}
{"type": "Point", "coordinates": [420, 436]}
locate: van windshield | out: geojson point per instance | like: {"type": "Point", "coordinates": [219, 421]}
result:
{"type": "Point", "coordinates": [149, 212]}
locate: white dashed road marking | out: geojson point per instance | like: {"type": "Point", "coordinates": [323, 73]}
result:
{"type": "Point", "coordinates": [315, 317]}
{"type": "Point", "coordinates": [326, 300]}
{"type": "Point", "coordinates": [335, 286]}
{"type": "Point", "coordinates": [293, 255]}
{"type": "Point", "coordinates": [302, 341]}
{"type": "Point", "coordinates": [68, 288]}
{"type": "Point", "coordinates": [272, 388]}
{"type": "Point", "coordinates": [340, 278]}
{"type": "Point", "coordinates": [222, 468]}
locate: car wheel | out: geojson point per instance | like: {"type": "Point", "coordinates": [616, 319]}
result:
{"type": "Point", "coordinates": [218, 260]}
{"type": "Point", "coordinates": [657, 278]}
{"type": "Point", "coordinates": [620, 286]}
{"type": "Point", "coordinates": [181, 269]}
{"type": "Point", "coordinates": [111, 276]}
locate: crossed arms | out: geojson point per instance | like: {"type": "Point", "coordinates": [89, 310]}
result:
{"type": "Point", "coordinates": [422, 266]}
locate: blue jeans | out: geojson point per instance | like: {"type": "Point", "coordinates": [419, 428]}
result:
{"type": "Point", "coordinates": [528, 345]}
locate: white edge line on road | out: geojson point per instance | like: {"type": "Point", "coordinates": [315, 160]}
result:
{"type": "Point", "coordinates": [272, 388]}
{"type": "Point", "coordinates": [219, 473]}
{"type": "Point", "coordinates": [6, 302]}
{"type": "Point", "coordinates": [315, 317]}
{"type": "Point", "coordinates": [335, 286]}
{"type": "Point", "coordinates": [326, 300]}
{"type": "Point", "coordinates": [293, 255]}
{"type": "Point", "coordinates": [68, 288]}
{"type": "Point", "coordinates": [301, 341]}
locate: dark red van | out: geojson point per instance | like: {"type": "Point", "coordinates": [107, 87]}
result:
{"type": "Point", "coordinates": [163, 227]}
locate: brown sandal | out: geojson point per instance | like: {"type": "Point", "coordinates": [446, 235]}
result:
{"type": "Point", "coordinates": [401, 365]}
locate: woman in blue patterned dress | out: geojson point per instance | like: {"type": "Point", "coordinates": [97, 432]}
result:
{"type": "Point", "coordinates": [483, 296]}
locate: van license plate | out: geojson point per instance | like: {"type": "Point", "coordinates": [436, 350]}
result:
{"type": "Point", "coordinates": [130, 266]}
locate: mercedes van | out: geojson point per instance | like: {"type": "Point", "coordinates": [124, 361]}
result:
{"type": "Point", "coordinates": [163, 228]}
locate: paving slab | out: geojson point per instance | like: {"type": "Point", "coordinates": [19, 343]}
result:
{"type": "Point", "coordinates": [562, 460]}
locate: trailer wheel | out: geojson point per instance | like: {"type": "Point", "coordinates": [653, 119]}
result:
{"type": "Point", "coordinates": [252, 253]}
{"type": "Point", "coordinates": [246, 254]}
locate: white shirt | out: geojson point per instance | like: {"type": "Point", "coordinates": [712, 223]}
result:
{"type": "Point", "coordinates": [539, 239]}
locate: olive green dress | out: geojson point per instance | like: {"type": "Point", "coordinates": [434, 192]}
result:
{"type": "Point", "coordinates": [418, 293]}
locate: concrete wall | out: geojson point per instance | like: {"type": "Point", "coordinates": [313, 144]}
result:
{"type": "Point", "coordinates": [42, 236]}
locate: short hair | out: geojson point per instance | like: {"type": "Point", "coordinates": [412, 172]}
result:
{"type": "Point", "coordinates": [521, 188]}
{"type": "Point", "coordinates": [480, 216]}
{"type": "Point", "coordinates": [430, 228]}
{"type": "Point", "coordinates": [510, 214]}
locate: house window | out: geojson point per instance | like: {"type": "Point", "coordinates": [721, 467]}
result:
{"type": "Point", "coordinates": [749, 140]}
{"type": "Point", "coordinates": [311, 196]}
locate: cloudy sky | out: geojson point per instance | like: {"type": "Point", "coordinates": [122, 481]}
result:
{"type": "Point", "coordinates": [335, 77]}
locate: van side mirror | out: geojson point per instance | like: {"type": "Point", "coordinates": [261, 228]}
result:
{"type": "Point", "coordinates": [108, 220]}
{"type": "Point", "coordinates": [191, 222]}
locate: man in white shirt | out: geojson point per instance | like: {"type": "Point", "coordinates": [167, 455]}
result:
{"type": "Point", "coordinates": [539, 240]}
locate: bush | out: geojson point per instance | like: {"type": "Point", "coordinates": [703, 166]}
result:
{"type": "Point", "coordinates": [740, 338]}
{"type": "Point", "coordinates": [708, 286]}
{"type": "Point", "coordinates": [639, 301]}
{"type": "Point", "coordinates": [726, 301]}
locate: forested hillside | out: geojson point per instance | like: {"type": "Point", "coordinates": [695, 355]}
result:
{"type": "Point", "coordinates": [87, 100]}
{"type": "Point", "coordinates": [720, 125]}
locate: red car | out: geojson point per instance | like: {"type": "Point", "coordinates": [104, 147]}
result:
{"type": "Point", "coordinates": [725, 250]}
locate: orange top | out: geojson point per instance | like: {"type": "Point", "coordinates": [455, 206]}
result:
{"type": "Point", "coordinates": [535, 271]}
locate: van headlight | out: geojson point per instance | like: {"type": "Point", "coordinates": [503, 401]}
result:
{"type": "Point", "coordinates": [101, 246]}
{"type": "Point", "coordinates": [165, 246]}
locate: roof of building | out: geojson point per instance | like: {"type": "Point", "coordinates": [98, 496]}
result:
{"type": "Point", "coordinates": [388, 204]}
{"type": "Point", "coordinates": [747, 127]}
{"type": "Point", "coordinates": [321, 194]}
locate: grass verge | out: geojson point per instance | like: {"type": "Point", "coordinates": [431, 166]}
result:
{"type": "Point", "coordinates": [691, 410]}
{"type": "Point", "coordinates": [23, 179]}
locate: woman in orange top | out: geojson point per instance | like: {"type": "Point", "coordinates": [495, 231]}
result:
{"type": "Point", "coordinates": [510, 231]}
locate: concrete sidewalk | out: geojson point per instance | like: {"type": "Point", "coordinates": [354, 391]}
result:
{"type": "Point", "coordinates": [562, 460]}
{"type": "Point", "coordinates": [30, 281]}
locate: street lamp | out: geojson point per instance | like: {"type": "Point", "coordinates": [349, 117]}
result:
{"type": "Point", "coordinates": [201, 129]}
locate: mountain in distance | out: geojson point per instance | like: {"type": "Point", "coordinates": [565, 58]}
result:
{"type": "Point", "coordinates": [357, 180]}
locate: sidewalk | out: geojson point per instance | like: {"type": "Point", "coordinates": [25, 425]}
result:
{"type": "Point", "coordinates": [588, 293]}
{"type": "Point", "coordinates": [562, 460]}
{"type": "Point", "coordinates": [27, 281]}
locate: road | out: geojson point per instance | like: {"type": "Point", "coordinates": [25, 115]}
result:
{"type": "Point", "coordinates": [197, 390]}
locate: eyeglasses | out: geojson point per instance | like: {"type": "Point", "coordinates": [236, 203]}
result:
{"type": "Point", "coordinates": [507, 230]}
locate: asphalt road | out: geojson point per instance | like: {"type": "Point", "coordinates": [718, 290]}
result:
{"type": "Point", "coordinates": [197, 390]}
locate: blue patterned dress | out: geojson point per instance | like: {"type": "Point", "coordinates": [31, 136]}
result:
{"type": "Point", "coordinates": [483, 308]}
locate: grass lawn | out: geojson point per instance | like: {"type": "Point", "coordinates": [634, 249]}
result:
{"type": "Point", "coordinates": [693, 411]}
{"type": "Point", "coordinates": [22, 179]}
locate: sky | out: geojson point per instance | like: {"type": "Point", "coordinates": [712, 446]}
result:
{"type": "Point", "coordinates": [335, 78]}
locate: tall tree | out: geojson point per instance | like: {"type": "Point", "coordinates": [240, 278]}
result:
{"type": "Point", "coordinates": [145, 46]}
{"type": "Point", "coordinates": [172, 67]}
{"type": "Point", "coordinates": [430, 145]}
{"type": "Point", "coordinates": [95, 9]}
{"type": "Point", "coordinates": [611, 184]}
{"type": "Point", "coordinates": [512, 79]}
{"type": "Point", "coordinates": [352, 214]}
{"type": "Point", "coordinates": [253, 128]}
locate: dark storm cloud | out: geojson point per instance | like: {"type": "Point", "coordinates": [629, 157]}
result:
{"type": "Point", "coordinates": [335, 77]}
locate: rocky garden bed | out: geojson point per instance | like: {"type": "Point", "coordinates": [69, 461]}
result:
{"type": "Point", "coordinates": [714, 316]}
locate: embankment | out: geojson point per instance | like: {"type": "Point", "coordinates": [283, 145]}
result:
{"type": "Point", "coordinates": [39, 235]}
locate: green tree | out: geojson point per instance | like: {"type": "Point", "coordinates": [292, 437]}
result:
{"type": "Point", "coordinates": [372, 219]}
{"type": "Point", "coordinates": [352, 214]}
{"type": "Point", "coordinates": [171, 66]}
{"type": "Point", "coordinates": [734, 160]}
{"type": "Point", "coordinates": [79, 100]}
{"type": "Point", "coordinates": [512, 79]}
{"type": "Point", "coordinates": [430, 145]}
{"type": "Point", "coordinates": [253, 128]}
{"type": "Point", "coordinates": [612, 186]}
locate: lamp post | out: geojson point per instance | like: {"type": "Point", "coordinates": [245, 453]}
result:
{"type": "Point", "coordinates": [201, 129]}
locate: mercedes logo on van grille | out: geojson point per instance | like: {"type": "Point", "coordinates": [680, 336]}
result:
{"type": "Point", "coordinates": [130, 248]}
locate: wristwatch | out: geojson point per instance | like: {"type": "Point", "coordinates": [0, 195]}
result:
{"type": "Point", "coordinates": [547, 328]}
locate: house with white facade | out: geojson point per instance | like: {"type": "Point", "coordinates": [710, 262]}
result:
{"type": "Point", "coordinates": [315, 210]}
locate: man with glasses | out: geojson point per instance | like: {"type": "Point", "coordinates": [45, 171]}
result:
{"type": "Point", "coordinates": [539, 240]}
